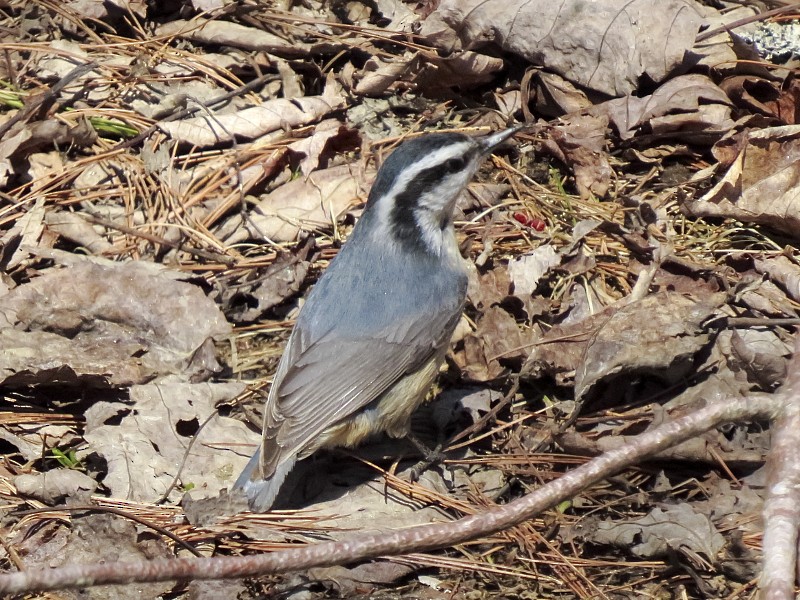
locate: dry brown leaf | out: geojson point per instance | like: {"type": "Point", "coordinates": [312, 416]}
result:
{"type": "Point", "coordinates": [107, 10]}
{"type": "Point", "coordinates": [19, 143]}
{"type": "Point", "coordinates": [256, 121]}
{"type": "Point", "coordinates": [555, 96]}
{"type": "Point", "coordinates": [761, 354]}
{"type": "Point", "coordinates": [675, 528]}
{"type": "Point", "coordinates": [377, 75]}
{"type": "Point", "coordinates": [658, 335]}
{"type": "Point", "coordinates": [766, 97]}
{"type": "Point", "coordinates": [686, 106]}
{"type": "Point", "coordinates": [579, 142]}
{"type": "Point", "coordinates": [717, 52]}
{"type": "Point", "coordinates": [783, 271]}
{"type": "Point", "coordinates": [325, 133]}
{"type": "Point", "coordinates": [92, 539]}
{"type": "Point", "coordinates": [207, 5]}
{"type": "Point", "coordinates": [175, 95]}
{"type": "Point", "coordinates": [218, 589]}
{"type": "Point", "coordinates": [429, 74]}
{"type": "Point", "coordinates": [55, 485]}
{"type": "Point", "coordinates": [559, 352]}
{"type": "Point", "coordinates": [117, 322]}
{"type": "Point", "coordinates": [393, 15]}
{"type": "Point", "coordinates": [496, 338]}
{"type": "Point", "coordinates": [248, 300]}
{"type": "Point", "coordinates": [709, 448]}
{"type": "Point", "coordinates": [479, 196]}
{"type": "Point", "coordinates": [484, 290]}
{"type": "Point", "coordinates": [304, 204]}
{"type": "Point", "coordinates": [762, 185]}
{"type": "Point", "coordinates": [31, 358]}
{"type": "Point", "coordinates": [23, 235]}
{"type": "Point", "coordinates": [768, 299]}
{"type": "Point", "coordinates": [361, 579]}
{"type": "Point", "coordinates": [465, 70]}
{"type": "Point", "coordinates": [608, 46]}
{"type": "Point", "coordinates": [144, 443]}
{"type": "Point", "coordinates": [226, 33]}
{"type": "Point", "coordinates": [526, 271]}
{"type": "Point", "coordinates": [76, 229]}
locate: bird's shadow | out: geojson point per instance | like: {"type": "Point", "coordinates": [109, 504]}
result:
{"type": "Point", "coordinates": [330, 475]}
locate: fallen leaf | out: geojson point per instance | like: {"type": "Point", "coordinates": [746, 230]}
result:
{"type": "Point", "coordinates": [782, 271]}
{"type": "Point", "coordinates": [762, 355]}
{"type": "Point", "coordinates": [377, 75]}
{"type": "Point", "coordinates": [488, 289]}
{"type": "Point", "coordinates": [114, 322]}
{"type": "Point", "coordinates": [256, 121]}
{"type": "Point", "coordinates": [248, 300]}
{"type": "Point", "coordinates": [219, 589]}
{"type": "Point", "coordinates": [554, 96]}
{"type": "Point", "coordinates": [766, 97]}
{"type": "Point", "coordinates": [717, 52]}
{"type": "Point", "coordinates": [676, 528]}
{"type": "Point", "coordinates": [608, 47]}
{"type": "Point", "coordinates": [496, 338]}
{"type": "Point", "coordinates": [768, 299]}
{"type": "Point", "coordinates": [761, 186]}
{"type": "Point", "coordinates": [658, 335]}
{"type": "Point", "coordinates": [326, 134]}
{"type": "Point", "coordinates": [108, 10]}
{"type": "Point", "coordinates": [464, 69]}
{"type": "Point", "coordinates": [24, 234]}
{"type": "Point", "coordinates": [73, 227]}
{"type": "Point", "coordinates": [146, 443]}
{"type": "Point", "coordinates": [526, 271]}
{"type": "Point", "coordinates": [304, 204]}
{"type": "Point", "coordinates": [688, 105]}
{"type": "Point", "coordinates": [579, 142]}
{"type": "Point", "coordinates": [226, 33]}
{"type": "Point", "coordinates": [348, 581]}
{"type": "Point", "coordinates": [94, 539]}
{"type": "Point", "coordinates": [53, 486]}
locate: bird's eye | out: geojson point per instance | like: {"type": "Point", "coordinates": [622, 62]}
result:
{"type": "Point", "coordinates": [453, 165]}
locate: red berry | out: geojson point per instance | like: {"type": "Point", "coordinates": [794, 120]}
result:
{"type": "Point", "coordinates": [537, 224]}
{"type": "Point", "coordinates": [521, 218]}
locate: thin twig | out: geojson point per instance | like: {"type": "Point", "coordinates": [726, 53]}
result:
{"type": "Point", "coordinates": [165, 496]}
{"type": "Point", "coordinates": [746, 21]}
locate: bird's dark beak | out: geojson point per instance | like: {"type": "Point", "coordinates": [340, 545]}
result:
{"type": "Point", "coordinates": [490, 142]}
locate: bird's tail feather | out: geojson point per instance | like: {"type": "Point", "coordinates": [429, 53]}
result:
{"type": "Point", "coordinates": [261, 493]}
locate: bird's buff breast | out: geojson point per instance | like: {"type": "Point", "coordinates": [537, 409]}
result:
{"type": "Point", "coordinates": [390, 413]}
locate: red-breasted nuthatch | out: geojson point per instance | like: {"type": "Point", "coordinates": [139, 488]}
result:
{"type": "Point", "coordinates": [368, 343]}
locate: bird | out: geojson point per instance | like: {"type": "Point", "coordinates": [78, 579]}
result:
{"type": "Point", "coordinates": [370, 339]}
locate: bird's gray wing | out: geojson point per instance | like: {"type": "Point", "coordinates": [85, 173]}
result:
{"type": "Point", "coordinates": [321, 382]}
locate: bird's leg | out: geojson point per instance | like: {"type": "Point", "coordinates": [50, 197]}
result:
{"type": "Point", "coordinates": [431, 456]}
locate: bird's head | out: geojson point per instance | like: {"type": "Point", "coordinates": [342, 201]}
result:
{"type": "Point", "coordinates": [416, 188]}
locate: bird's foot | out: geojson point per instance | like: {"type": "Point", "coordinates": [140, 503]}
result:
{"type": "Point", "coordinates": [431, 456]}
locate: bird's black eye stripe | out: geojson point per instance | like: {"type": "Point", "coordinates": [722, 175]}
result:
{"type": "Point", "coordinates": [453, 165]}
